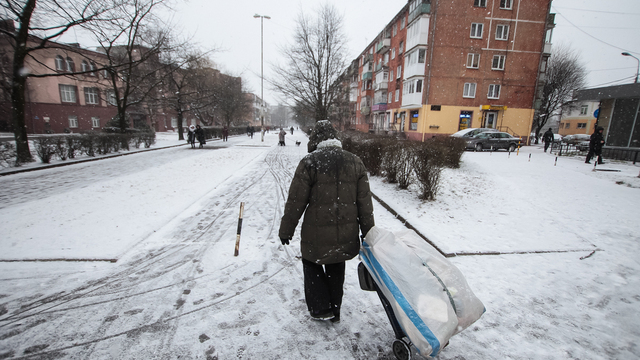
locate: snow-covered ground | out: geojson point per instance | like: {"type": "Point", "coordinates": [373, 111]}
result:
{"type": "Point", "coordinates": [523, 228]}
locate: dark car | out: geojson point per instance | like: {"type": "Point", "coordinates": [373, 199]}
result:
{"type": "Point", "coordinates": [471, 132]}
{"type": "Point", "coordinates": [494, 141]}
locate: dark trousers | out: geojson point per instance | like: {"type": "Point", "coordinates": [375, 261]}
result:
{"type": "Point", "coordinates": [323, 286]}
{"type": "Point", "coordinates": [594, 152]}
{"type": "Point", "coordinates": [546, 145]}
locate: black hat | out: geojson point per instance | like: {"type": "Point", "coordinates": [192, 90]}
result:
{"type": "Point", "coordinates": [321, 132]}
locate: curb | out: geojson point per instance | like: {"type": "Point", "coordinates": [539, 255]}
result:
{"type": "Point", "coordinates": [51, 166]}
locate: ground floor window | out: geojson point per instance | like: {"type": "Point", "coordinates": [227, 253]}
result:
{"type": "Point", "coordinates": [465, 120]}
{"type": "Point", "coordinates": [73, 121]}
{"type": "Point", "coordinates": [582, 126]}
{"type": "Point", "coordinates": [174, 122]}
{"type": "Point", "coordinates": [95, 121]}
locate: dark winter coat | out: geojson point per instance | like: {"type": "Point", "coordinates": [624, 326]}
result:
{"type": "Point", "coordinates": [191, 137]}
{"type": "Point", "coordinates": [597, 141]}
{"type": "Point", "coordinates": [548, 136]}
{"type": "Point", "coordinates": [331, 188]}
{"type": "Point", "coordinates": [200, 135]}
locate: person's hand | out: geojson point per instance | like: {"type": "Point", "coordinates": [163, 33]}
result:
{"type": "Point", "coordinates": [284, 241]}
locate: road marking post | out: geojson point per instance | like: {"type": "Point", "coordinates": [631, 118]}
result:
{"type": "Point", "coordinates": [556, 163]}
{"type": "Point", "coordinates": [237, 251]}
{"type": "Point", "coordinates": [529, 157]}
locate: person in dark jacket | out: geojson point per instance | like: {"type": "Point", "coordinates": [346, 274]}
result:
{"type": "Point", "coordinates": [595, 145]}
{"type": "Point", "coordinates": [200, 136]}
{"type": "Point", "coordinates": [191, 136]}
{"type": "Point", "coordinates": [547, 138]}
{"type": "Point", "coordinates": [281, 136]}
{"type": "Point", "coordinates": [225, 133]}
{"type": "Point", "coordinates": [331, 187]}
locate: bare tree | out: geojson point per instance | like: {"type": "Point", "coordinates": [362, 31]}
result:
{"type": "Point", "coordinates": [187, 89]}
{"type": "Point", "coordinates": [564, 74]}
{"type": "Point", "coordinates": [39, 23]}
{"type": "Point", "coordinates": [315, 60]}
{"type": "Point", "coordinates": [133, 42]}
{"type": "Point", "coordinates": [232, 102]}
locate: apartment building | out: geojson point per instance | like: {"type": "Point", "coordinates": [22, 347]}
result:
{"type": "Point", "coordinates": [439, 67]}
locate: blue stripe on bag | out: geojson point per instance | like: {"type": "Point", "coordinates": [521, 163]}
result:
{"type": "Point", "coordinates": [400, 299]}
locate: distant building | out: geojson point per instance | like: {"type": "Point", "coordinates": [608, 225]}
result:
{"type": "Point", "coordinates": [580, 120]}
{"type": "Point", "coordinates": [439, 67]}
{"type": "Point", "coordinates": [619, 113]}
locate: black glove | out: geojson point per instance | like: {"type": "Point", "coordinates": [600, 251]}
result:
{"type": "Point", "coordinates": [284, 241]}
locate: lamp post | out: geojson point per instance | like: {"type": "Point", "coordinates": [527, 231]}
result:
{"type": "Point", "coordinates": [638, 60]}
{"type": "Point", "coordinates": [262, 17]}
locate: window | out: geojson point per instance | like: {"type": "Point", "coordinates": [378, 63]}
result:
{"type": "Point", "coordinates": [502, 32]}
{"type": "Point", "coordinates": [390, 98]}
{"type": "Point", "coordinates": [60, 63]}
{"type": "Point", "coordinates": [399, 72]}
{"type": "Point", "coordinates": [498, 62]}
{"type": "Point", "coordinates": [111, 98]}
{"type": "Point", "coordinates": [95, 121]}
{"type": "Point", "coordinates": [85, 65]}
{"type": "Point", "coordinates": [68, 93]}
{"type": "Point", "coordinates": [494, 91]}
{"type": "Point", "coordinates": [401, 47]}
{"type": "Point", "coordinates": [421, 55]}
{"type": "Point", "coordinates": [402, 23]}
{"type": "Point", "coordinates": [386, 58]}
{"type": "Point", "coordinates": [393, 53]}
{"type": "Point", "coordinates": [391, 74]}
{"type": "Point", "coordinates": [469, 90]}
{"type": "Point", "coordinates": [561, 126]}
{"type": "Point", "coordinates": [505, 4]}
{"type": "Point", "coordinates": [397, 94]}
{"type": "Point", "coordinates": [419, 86]}
{"type": "Point", "coordinates": [395, 29]}
{"type": "Point", "coordinates": [581, 126]}
{"type": "Point", "coordinates": [584, 109]}
{"type": "Point", "coordinates": [73, 121]}
{"type": "Point", "coordinates": [473, 61]}
{"type": "Point", "coordinates": [480, 3]}
{"type": "Point", "coordinates": [70, 65]}
{"type": "Point", "coordinates": [567, 125]}
{"type": "Point", "coordinates": [413, 124]}
{"type": "Point", "coordinates": [174, 122]}
{"type": "Point", "coordinates": [476, 30]}
{"type": "Point", "coordinates": [91, 96]}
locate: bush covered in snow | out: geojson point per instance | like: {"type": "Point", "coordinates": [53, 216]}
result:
{"type": "Point", "coordinates": [405, 162]}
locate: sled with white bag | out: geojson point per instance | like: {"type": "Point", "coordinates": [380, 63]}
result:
{"type": "Point", "coordinates": [426, 298]}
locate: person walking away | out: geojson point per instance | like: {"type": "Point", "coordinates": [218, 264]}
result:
{"type": "Point", "coordinates": [547, 138]}
{"type": "Point", "coordinates": [225, 133]}
{"type": "Point", "coordinates": [251, 131]}
{"type": "Point", "coordinates": [292, 130]}
{"type": "Point", "coordinates": [191, 136]}
{"type": "Point", "coordinates": [281, 136]}
{"type": "Point", "coordinates": [330, 186]}
{"type": "Point", "coordinates": [595, 145]}
{"type": "Point", "coordinates": [199, 132]}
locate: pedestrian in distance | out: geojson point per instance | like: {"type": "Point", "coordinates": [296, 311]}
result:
{"type": "Point", "coordinates": [292, 130]}
{"type": "Point", "coordinates": [330, 186]}
{"type": "Point", "coordinates": [281, 136]}
{"type": "Point", "coordinates": [199, 132]}
{"type": "Point", "coordinates": [225, 133]}
{"type": "Point", "coordinates": [595, 145]}
{"type": "Point", "coordinates": [547, 138]}
{"type": "Point", "coordinates": [251, 131]}
{"type": "Point", "coordinates": [191, 136]}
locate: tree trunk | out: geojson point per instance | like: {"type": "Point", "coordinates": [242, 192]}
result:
{"type": "Point", "coordinates": [180, 119]}
{"type": "Point", "coordinates": [23, 153]}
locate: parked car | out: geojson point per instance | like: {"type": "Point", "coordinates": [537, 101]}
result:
{"type": "Point", "coordinates": [471, 132]}
{"type": "Point", "coordinates": [493, 140]}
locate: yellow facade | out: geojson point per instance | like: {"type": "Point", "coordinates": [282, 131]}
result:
{"type": "Point", "coordinates": [446, 121]}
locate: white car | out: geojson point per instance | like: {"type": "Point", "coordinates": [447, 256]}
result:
{"type": "Point", "coordinates": [471, 132]}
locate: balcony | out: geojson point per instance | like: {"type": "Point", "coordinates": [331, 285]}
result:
{"type": "Point", "coordinates": [367, 75]}
{"type": "Point", "coordinates": [379, 107]}
{"type": "Point", "coordinates": [383, 45]}
{"type": "Point", "coordinates": [383, 85]}
{"type": "Point", "coordinates": [424, 8]}
{"type": "Point", "coordinates": [365, 110]}
{"type": "Point", "coordinates": [547, 49]}
{"type": "Point", "coordinates": [381, 67]}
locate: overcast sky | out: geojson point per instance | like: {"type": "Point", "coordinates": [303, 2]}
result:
{"type": "Point", "coordinates": [598, 30]}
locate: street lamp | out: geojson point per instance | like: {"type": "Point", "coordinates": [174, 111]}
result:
{"type": "Point", "coordinates": [262, 17]}
{"type": "Point", "coordinates": [638, 60]}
